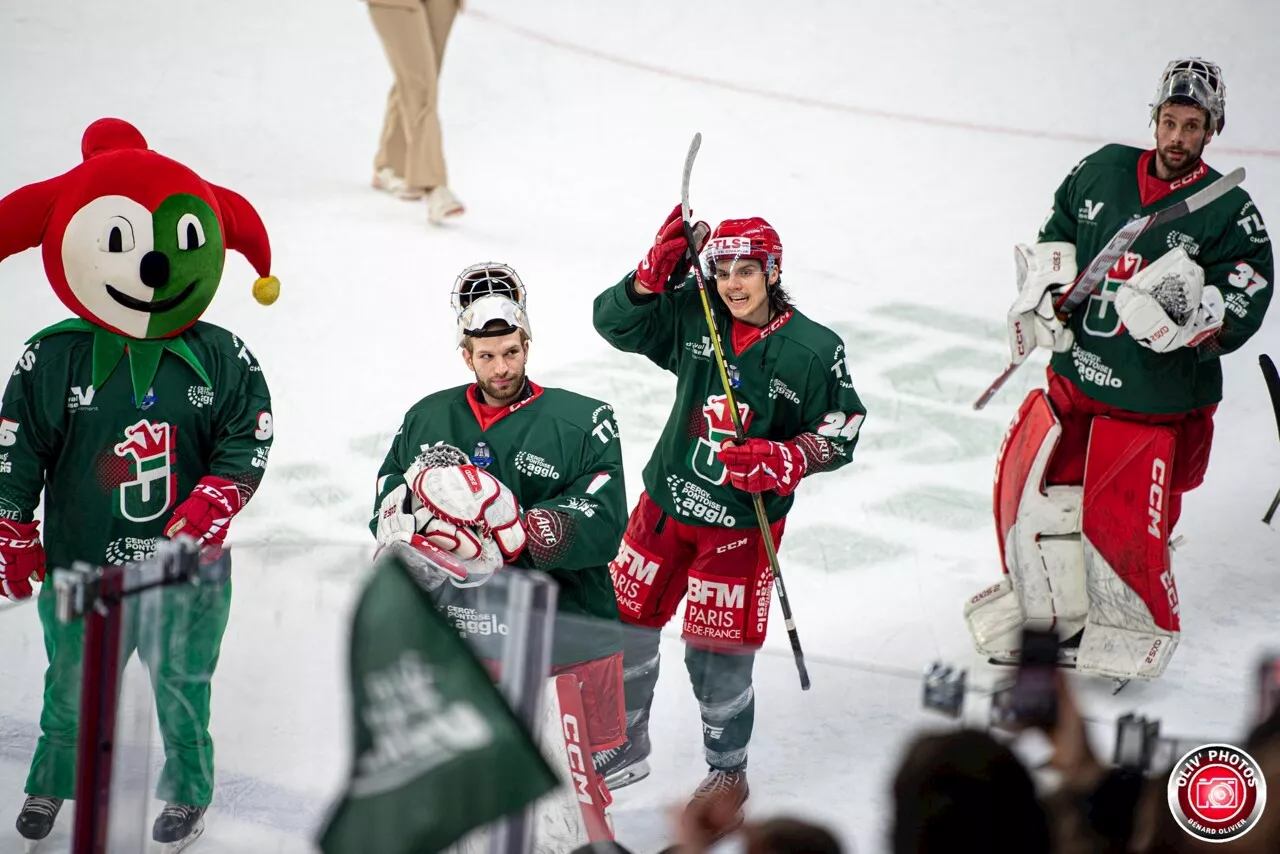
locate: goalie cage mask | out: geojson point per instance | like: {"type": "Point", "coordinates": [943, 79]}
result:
{"type": "Point", "coordinates": [1192, 80]}
{"type": "Point", "coordinates": [487, 277]}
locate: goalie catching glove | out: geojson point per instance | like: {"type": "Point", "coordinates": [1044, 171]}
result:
{"type": "Point", "coordinates": [463, 497]}
{"type": "Point", "coordinates": [1167, 305]}
{"type": "Point", "coordinates": [1045, 270]}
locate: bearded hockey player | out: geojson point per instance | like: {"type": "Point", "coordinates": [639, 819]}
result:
{"type": "Point", "coordinates": [501, 473]}
{"type": "Point", "coordinates": [136, 421]}
{"type": "Point", "coordinates": [1090, 478]}
{"type": "Point", "coordinates": [694, 529]}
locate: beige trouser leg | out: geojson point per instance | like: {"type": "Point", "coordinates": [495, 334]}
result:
{"type": "Point", "coordinates": [414, 40]}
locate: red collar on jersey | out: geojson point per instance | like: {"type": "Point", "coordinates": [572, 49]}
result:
{"type": "Point", "coordinates": [743, 335]}
{"type": "Point", "coordinates": [1152, 189]}
{"type": "Point", "coordinates": [487, 415]}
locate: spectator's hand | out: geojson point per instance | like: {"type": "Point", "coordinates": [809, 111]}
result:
{"type": "Point", "coordinates": [1072, 755]}
{"type": "Point", "coordinates": [703, 823]}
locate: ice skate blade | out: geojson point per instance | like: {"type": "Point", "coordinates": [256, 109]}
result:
{"type": "Point", "coordinates": [31, 846]}
{"type": "Point", "coordinates": [179, 845]}
{"type": "Point", "coordinates": [631, 774]}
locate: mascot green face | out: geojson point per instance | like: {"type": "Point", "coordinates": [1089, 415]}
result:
{"type": "Point", "coordinates": [189, 249]}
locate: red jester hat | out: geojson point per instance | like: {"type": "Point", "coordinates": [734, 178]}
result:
{"type": "Point", "coordinates": [134, 244]}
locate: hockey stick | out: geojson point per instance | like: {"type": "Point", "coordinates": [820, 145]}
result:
{"type": "Point", "coordinates": [1273, 386]}
{"type": "Point", "coordinates": [1114, 250]}
{"type": "Point", "coordinates": [740, 434]}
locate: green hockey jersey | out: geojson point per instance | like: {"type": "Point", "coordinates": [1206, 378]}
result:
{"type": "Point", "coordinates": [791, 378]}
{"type": "Point", "coordinates": [1227, 238]}
{"type": "Point", "coordinates": [112, 468]}
{"type": "Point", "coordinates": [557, 452]}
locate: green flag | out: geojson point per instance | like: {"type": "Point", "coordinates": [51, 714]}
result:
{"type": "Point", "coordinates": [438, 752]}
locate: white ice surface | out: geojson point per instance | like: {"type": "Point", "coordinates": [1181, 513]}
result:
{"type": "Point", "coordinates": [900, 149]}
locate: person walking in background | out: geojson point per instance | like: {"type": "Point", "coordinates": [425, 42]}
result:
{"type": "Point", "coordinates": [410, 162]}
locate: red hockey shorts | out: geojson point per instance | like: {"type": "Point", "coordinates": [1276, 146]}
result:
{"type": "Point", "coordinates": [724, 571]}
{"type": "Point", "coordinates": [1076, 411]}
{"type": "Point", "coordinates": [600, 681]}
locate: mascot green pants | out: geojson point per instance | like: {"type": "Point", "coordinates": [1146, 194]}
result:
{"type": "Point", "coordinates": [177, 633]}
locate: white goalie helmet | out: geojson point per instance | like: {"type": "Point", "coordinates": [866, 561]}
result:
{"type": "Point", "coordinates": [487, 292]}
{"type": "Point", "coordinates": [1195, 80]}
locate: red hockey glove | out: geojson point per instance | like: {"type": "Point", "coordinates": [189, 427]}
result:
{"type": "Point", "coordinates": [21, 556]}
{"type": "Point", "coordinates": [666, 256]}
{"type": "Point", "coordinates": [759, 465]}
{"type": "Point", "coordinates": [206, 514]}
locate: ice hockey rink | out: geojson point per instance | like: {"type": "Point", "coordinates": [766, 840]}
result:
{"type": "Point", "coordinates": [901, 150]}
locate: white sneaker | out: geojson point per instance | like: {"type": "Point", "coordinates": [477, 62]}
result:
{"type": "Point", "coordinates": [442, 203]}
{"type": "Point", "coordinates": [388, 181]}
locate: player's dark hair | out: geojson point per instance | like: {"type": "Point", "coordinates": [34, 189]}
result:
{"type": "Point", "coordinates": [945, 786]}
{"type": "Point", "coordinates": [791, 836]}
{"type": "Point", "coordinates": [779, 300]}
{"type": "Point", "coordinates": [492, 329]}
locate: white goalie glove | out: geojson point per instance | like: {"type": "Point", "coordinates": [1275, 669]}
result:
{"type": "Point", "coordinates": [1044, 271]}
{"type": "Point", "coordinates": [465, 511]}
{"type": "Point", "coordinates": [1166, 305]}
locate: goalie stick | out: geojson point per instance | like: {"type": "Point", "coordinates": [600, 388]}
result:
{"type": "Point", "coordinates": [739, 433]}
{"type": "Point", "coordinates": [1273, 387]}
{"type": "Point", "coordinates": [1114, 250]}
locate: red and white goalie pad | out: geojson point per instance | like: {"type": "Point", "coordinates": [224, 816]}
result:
{"type": "Point", "coordinates": [576, 813]}
{"type": "Point", "coordinates": [1092, 557]}
{"type": "Point", "coordinates": [1133, 625]}
{"type": "Point", "coordinates": [1039, 537]}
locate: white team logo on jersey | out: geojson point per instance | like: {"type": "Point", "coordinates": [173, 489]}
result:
{"type": "Point", "coordinates": [702, 456]}
{"type": "Point", "coordinates": [1100, 318]}
{"type": "Point", "coordinates": [150, 449]}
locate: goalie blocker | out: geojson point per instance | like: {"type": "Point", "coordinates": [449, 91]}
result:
{"type": "Point", "coordinates": [1092, 557]}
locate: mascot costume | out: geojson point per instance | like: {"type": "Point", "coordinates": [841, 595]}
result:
{"type": "Point", "coordinates": [136, 421]}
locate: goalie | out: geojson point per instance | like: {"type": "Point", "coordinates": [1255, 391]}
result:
{"type": "Point", "coordinates": [1090, 477]}
{"type": "Point", "coordinates": [541, 488]}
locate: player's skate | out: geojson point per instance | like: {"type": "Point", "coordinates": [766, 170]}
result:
{"type": "Point", "coordinates": [622, 766]}
{"type": "Point", "coordinates": [36, 819]}
{"type": "Point", "coordinates": [730, 784]}
{"type": "Point", "coordinates": [178, 826]}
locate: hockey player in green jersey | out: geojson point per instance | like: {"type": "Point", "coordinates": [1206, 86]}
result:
{"type": "Point", "coordinates": [504, 472]}
{"type": "Point", "coordinates": [1091, 475]}
{"type": "Point", "coordinates": [694, 530]}
{"type": "Point", "coordinates": [135, 421]}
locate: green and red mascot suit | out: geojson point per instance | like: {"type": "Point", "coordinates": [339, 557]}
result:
{"type": "Point", "coordinates": [134, 421]}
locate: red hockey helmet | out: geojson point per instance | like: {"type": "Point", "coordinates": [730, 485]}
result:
{"type": "Point", "coordinates": [745, 238]}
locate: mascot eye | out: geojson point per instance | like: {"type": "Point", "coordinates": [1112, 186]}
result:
{"type": "Point", "coordinates": [117, 235]}
{"type": "Point", "coordinates": [190, 233]}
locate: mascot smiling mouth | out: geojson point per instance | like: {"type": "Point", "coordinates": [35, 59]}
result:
{"type": "Point", "coordinates": [151, 307]}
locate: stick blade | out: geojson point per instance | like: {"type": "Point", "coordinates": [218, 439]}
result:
{"type": "Point", "coordinates": [688, 173]}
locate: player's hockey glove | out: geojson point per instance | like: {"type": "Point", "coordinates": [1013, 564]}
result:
{"type": "Point", "coordinates": [1167, 305]}
{"type": "Point", "coordinates": [469, 497]}
{"type": "Point", "coordinates": [1044, 271]}
{"type": "Point", "coordinates": [760, 465]}
{"type": "Point", "coordinates": [667, 262]}
{"type": "Point", "coordinates": [21, 557]}
{"type": "Point", "coordinates": [206, 514]}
